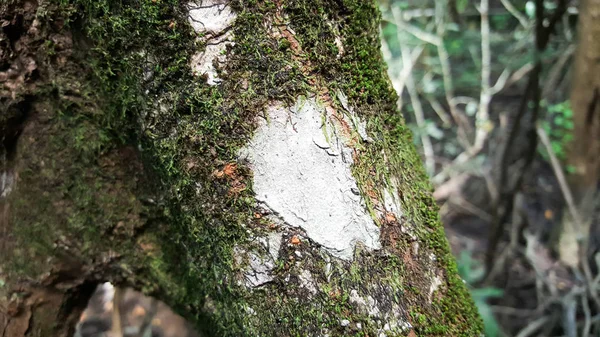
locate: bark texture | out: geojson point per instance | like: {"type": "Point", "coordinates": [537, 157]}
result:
{"type": "Point", "coordinates": [585, 100]}
{"type": "Point", "coordinates": [585, 147]}
{"type": "Point", "coordinates": [242, 161]}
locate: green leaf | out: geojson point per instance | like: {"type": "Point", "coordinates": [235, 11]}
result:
{"type": "Point", "coordinates": [559, 120]}
{"type": "Point", "coordinates": [558, 149]}
{"type": "Point", "coordinates": [546, 127]}
{"type": "Point", "coordinates": [569, 125]}
{"type": "Point", "coordinates": [468, 268]}
{"type": "Point", "coordinates": [568, 137]}
{"type": "Point", "coordinates": [485, 293]}
{"type": "Point", "coordinates": [491, 327]}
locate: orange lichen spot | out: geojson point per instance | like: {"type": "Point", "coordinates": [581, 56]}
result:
{"type": "Point", "coordinates": [229, 169]}
{"type": "Point", "coordinates": [295, 240]}
{"type": "Point", "coordinates": [549, 214]}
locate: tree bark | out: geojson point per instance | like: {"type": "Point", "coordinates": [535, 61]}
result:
{"type": "Point", "coordinates": [241, 161]}
{"type": "Point", "coordinates": [585, 101]}
{"type": "Point", "coordinates": [584, 150]}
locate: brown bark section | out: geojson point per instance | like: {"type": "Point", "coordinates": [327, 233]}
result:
{"type": "Point", "coordinates": [35, 311]}
{"type": "Point", "coordinates": [585, 100]}
{"type": "Point", "coordinates": [51, 302]}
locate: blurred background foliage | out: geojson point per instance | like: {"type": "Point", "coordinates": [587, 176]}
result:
{"type": "Point", "coordinates": [485, 87]}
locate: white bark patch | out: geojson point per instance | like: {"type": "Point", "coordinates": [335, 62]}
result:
{"type": "Point", "coordinates": [307, 282]}
{"type": "Point", "coordinates": [7, 181]}
{"type": "Point", "coordinates": [436, 282]}
{"type": "Point", "coordinates": [212, 19]}
{"type": "Point", "coordinates": [340, 46]}
{"type": "Point", "coordinates": [393, 326]}
{"type": "Point", "coordinates": [210, 16]}
{"type": "Point", "coordinates": [391, 202]}
{"type": "Point", "coordinates": [388, 319]}
{"type": "Point", "coordinates": [259, 272]}
{"type": "Point", "coordinates": [273, 243]}
{"type": "Point", "coordinates": [366, 305]}
{"type": "Point", "coordinates": [260, 263]}
{"type": "Point", "coordinates": [306, 178]}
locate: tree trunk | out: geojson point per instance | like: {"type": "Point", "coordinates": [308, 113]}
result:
{"type": "Point", "coordinates": [585, 100]}
{"type": "Point", "coordinates": [242, 161]}
{"type": "Point", "coordinates": [585, 148]}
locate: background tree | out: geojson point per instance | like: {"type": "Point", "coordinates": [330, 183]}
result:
{"type": "Point", "coordinates": [242, 161]}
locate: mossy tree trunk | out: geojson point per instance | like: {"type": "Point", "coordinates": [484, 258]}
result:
{"type": "Point", "coordinates": [242, 161]}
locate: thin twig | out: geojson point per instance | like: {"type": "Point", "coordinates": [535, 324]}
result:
{"type": "Point", "coordinates": [483, 116]}
{"type": "Point", "coordinates": [518, 75]}
{"type": "Point", "coordinates": [513, 311]}
{"type": "Point", "coordinates": [515, 12]}
{"type": "Point", "coordinates": [556, 71]}
{"type": "Point", "coordinates": [560, 176]}
{"type": "Point", "coordinates": [407, 72]}
{"type": "Point", "coordinates": [461, 120]}
{"type": "Point", "coordinates": [533, 327]}
{"type": "Point", "coordinates": [501, 82]}
{"type": "Point", "coordinates": [588, 316]}
{"type": "Point", "coordinates": [419, 114]}
{"type": "Point", "coordinates": [436, 40]}
{"type": "Point", "coordinates": [415, 31]}
{"type": "Point", "coordinates": [469, 207]}
{"type": "Point", "coordinates": [439, 110]}
{"type": "Point", "coordinates": [569, 312]}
